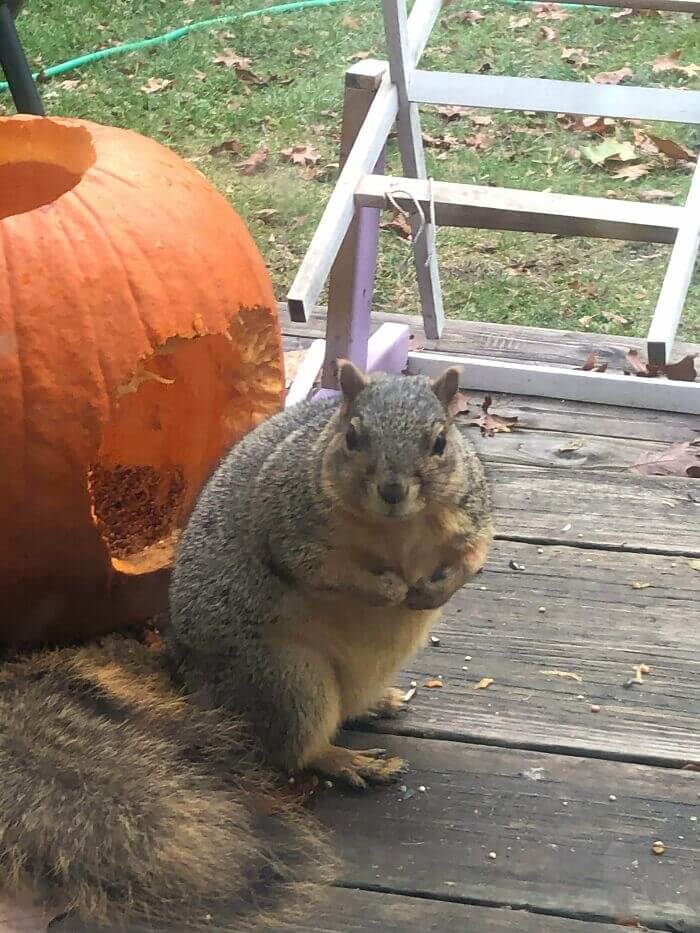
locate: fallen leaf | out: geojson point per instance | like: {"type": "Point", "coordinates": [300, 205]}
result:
{"type": "Point", "coordinates": [621, 14]}
{"type": "Point", "coordinates": [153, 85]}
{"type": "Point", "coordinates": [484, 683]}
{"type": "Point", "coordinates": [694, 564]}
{"type": "Point", "coordinates": [613, 77]}
{"type": "Point", "coordinates": [446, 141]}
{"type": "Point", "coordinates": [254, 163]}
{"type": "Point", "coordinates": [229, 59]}
{"type": "Point", "coordinates": [569, 675]}
{"type": "Point", "coordinates": [450, 114]}
{"type": "Point", "coordinates": [478, 141]}
{"type": "Point", "coordinates": [639, 585]}
{"type": "Point", "coordinates": [575, 57]}
{"type": "Point", "coordinates": [639, 366]}
{"type": "Point", "coordinates": [631, 172]}
{"type": "Point", "coordinates": [231, 146]}
{"type": "Point", "coordinates": [615, 318]}
{"type": "Point", "coordinates": [676, 460]}
{"type": "Point", "coordinates": [639, 671]}
{"type": "Point", "coordinates": [359, 56]}
{"type": "Point", "coordinates": [491, 424]}
{"type": "Point", "coordinates": [519, 22]}
{"type": "Point", "coordinates": [547, 34]}
{"type": "Point", "coordinates": [672, 149]}
{"type": "Point", "coordinates": [266, 214]}
{"type": "Point", "coordinates": [642, 141]}
{"type": "Point", "coordinates": [469, 16]}
{"type": "Point", "coordinates": [303, 154]}
{"type": "Point", "coordinates": [672, 63]}
{"type": "Point", "coordinates": [551, 11]}
{"type": "Point", "coordinates": [609, 149]}
{"type": "Point", "coordinates": [433, 684]}
{"type": "Point", "coordinates": [398, 224]}
{"type": "Point", "coordinates": [682, 371]}
{"type": "Point", "coordinates": [350, 21]}
{"type": "Point", "coordinates": [591, 364]}
{"type": "Point", "coordinates": [69, 85]}
{"type": "Point", "coordinates": [656, 194]}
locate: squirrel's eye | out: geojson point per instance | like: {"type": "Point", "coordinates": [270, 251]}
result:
{"type": "Point", "coordinates": [440, 443]}
{"type": "Point", "coordinates": [351, 438]}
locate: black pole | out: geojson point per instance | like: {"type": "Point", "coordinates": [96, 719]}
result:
{"type": "Point", "coordinates": [16, 67]}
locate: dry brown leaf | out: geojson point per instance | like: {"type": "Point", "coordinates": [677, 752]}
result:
{"type": "Point", "coordinates": [478, 141]}
{"type": "Point", "coordinates": [615, 318]}
{"type": "Point", "coordinates": [672, 63]}
{"type": "Point", "coordinates": [682, 371]}
{"type": "Point", "coordinates": [255, 163]}
{"type": "Point", "coordinates": [575, 57]}
{"type": "Point", "coordinates": [676, 460]}
{"type": "Point", "coordinates": [468, 16]}
{"type": "Point", "coordinates": [153, 85]}
{"type": "Point", "coordinates": [433, 684]}
{"type": "Point", "coordinates": [446, 141]}
{"type": "Point", "coordinates": [490, 424]}
{"type": "Point", "coordinates": [639, 585]}
{"type": "Point", "coordinates": [672, 149]}
{"type": "Point", "coordinates": [631, 172]}
{"type": "Point", "coordinates": [621, 14]}
{"type": "Point", "coordinates": [547, 34]}
{"type": "Point", "coordinates": [229, 59]}
{"type": "Point", "coordinates": [613, 77]}
{"type": "Point", "coordinates": [399, 225]}
{"type": "Point", "coordinates": [591, 364]}
{"type": "Point", "coordinates": [642, 142]}
{"type": "Point", "coordinates": [71, 84]}
{"type": "Point", "coordinates": [450, 114]}
{"type": "Point", "coordinates": [232, 146]}
{"type": "Point", "coordinates": [266, 214]}
{"type": "Point", "coordinates": [551, 11]}
{"type": "Point", "coordinates": [519, 22]}
{"type": "Point", "coordinates": [480, 119]}
{"type": "Point", "coordinates": [350, 21]}
{"type": "Point", "coordinates": [567, 675]}
{"type": "Point", "coordinates": [639, 671]}
{"type": "Point", "coordinates": [303, 154]}
{"type": "Point", "coordinates": [484, 683]}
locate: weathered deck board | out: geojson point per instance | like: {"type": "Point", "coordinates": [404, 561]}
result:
{"type": "Point", "coordinates": [562, 845]}
{"type": "Point", "coordinates": [501, 341]}
{"type": "Point", "coordinates": [356, 911]}
{"type": "Point", "coordinates": [596, 626]}
{"type": "Point", "coordinates": [615, 510]}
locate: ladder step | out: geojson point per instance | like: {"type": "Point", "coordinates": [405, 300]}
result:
{"type": "Point", "coordinates": [522, 210]}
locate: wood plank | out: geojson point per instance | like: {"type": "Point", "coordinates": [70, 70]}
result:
{"type": "Point", "coordinates": [562, 845]}
{"type": "Point", "coordinates": [559, 415]}
{"type": "Point", "coordinates": [652, 514]}
{"type": "Point", "coordinates": [355, 911]}
{"type": "Point", "coordinates": [501, 92]}
{"type": "Point", "coordinates": [596, 626]}
{"type": "Point", "coordinates": [485, 208]}
{"type": "Point", "coordinates": [501, 341]}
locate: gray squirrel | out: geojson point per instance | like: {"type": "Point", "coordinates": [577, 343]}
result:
{"type": "Point", "coordinates": [317, 559]}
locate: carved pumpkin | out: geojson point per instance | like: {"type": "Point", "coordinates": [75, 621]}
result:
{"type": "Point", "coordinates": [138, 340]}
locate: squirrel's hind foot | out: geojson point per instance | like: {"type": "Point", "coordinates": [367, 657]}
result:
{"type": "Point", "coordinates": [359, 768]}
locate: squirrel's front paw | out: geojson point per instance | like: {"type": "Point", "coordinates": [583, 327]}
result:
{"type": "Point", "coordinates": [434, 591]}
{"type": "Point", "coordinates": [389, 589]}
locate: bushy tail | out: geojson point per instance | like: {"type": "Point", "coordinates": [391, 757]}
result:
{"type": "Point", "coordinates": [124, 803]}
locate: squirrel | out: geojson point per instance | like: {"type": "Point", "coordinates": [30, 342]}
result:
{"type": "Point", "coordinates": [137, 786]}
{"type": "Point", "coordinates": [318, 557]}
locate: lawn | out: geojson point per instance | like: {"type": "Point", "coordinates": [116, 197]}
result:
{"type": "Point", "coordinates": [196, 94]}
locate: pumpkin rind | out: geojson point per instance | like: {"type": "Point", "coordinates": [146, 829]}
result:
{"type": "Point", "coordinates": [137, 286]}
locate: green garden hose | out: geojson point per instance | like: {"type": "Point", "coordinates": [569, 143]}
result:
{"type": "Point", "coordinates": [174, 34]}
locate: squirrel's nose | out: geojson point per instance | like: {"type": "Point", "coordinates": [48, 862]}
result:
{"type": "Point", "coordinates": [392, 493]}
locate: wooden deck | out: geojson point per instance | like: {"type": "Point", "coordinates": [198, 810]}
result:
{"type": "Point", "coordinates": [533, 805]}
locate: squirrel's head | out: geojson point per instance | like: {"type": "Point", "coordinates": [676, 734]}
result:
{"type": "Point", "coordinates": [395, 449]}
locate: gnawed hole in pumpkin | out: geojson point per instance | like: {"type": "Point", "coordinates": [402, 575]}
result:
{"type": "Point", "coordinates": [176, 416]}
{"type": "Point", "coordinates": [39, 161]}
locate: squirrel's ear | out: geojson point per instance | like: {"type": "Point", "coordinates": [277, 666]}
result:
{"type": "Point", "coordinates": [350, 379]}
{"type": "Point", "coordinates": [446, 386]}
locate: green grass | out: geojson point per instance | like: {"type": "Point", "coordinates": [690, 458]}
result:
{"type": "Point", "coordinates": [598, 285]}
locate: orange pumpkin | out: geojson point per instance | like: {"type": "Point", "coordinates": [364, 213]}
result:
{"type": "Point", "coordinates": [138, 340]}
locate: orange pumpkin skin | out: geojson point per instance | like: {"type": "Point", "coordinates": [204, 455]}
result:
{"type": "Point", "coordinates": [138, 340]}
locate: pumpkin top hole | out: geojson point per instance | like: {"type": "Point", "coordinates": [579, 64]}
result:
{"type": "Point", "coordinates": [40, 160]}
